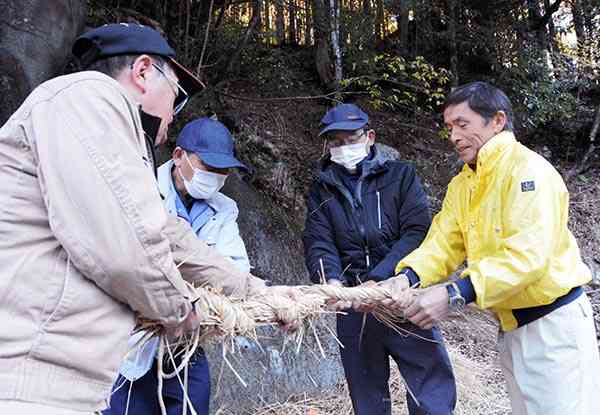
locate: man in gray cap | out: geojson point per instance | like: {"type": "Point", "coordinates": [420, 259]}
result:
{"type": "Point", "coordinates": [86, 243]}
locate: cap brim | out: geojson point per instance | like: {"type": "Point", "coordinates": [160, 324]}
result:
{"type": "Point", "coordinates": [221, 161]}
{"type": "Point", "coordinates": [343, 126]}
{"type": "Point", "coordinates": [188, 81]}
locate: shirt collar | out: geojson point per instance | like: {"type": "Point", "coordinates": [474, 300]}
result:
{"type": "Point", "coordinates": [491, 152]}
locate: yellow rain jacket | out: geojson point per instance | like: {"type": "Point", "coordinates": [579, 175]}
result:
{"type": "Point", "coordinates": [509, 220]}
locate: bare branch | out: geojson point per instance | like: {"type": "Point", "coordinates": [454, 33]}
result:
{"type": "Point", "coordinates": [330, 96]}
{"type": "Point", "coordinates": [210, 10]}
{"type": "Point", "coordinates": [582, 166]}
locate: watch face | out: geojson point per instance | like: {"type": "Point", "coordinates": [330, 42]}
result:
{"type": "Point", "coordinates": [457, 302]}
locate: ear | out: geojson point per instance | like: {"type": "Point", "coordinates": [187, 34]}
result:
{"type": "Point", "coordinates": [499, 121]}
{"type": "Point", "coordinates": [371, 137]}
{"type": "Point", "coordinates": [177, 156]}
{"type": "Point", "coordinates": [139, 69]}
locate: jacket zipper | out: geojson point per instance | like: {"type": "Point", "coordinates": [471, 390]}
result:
{"type": "Point", "coordinates": [363, 234]}
{"type": "Point", "coordinates": [379, 209]}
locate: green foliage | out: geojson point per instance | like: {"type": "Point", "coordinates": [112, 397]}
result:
{"type": "Point", "coordinates": [358, 51]}
{"type": "Point", "coordinates": [538, 95]}
{"type": "Point", "coordinates": [396, 83]}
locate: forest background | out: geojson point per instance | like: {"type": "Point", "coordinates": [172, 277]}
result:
{"type": "Point", "coordinates": [274, 67]}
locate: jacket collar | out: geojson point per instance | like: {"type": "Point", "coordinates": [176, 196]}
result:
{"type": "Point", "coordinates": [371, 166]}
{"type": "Point", "coordinates": [491, 152]}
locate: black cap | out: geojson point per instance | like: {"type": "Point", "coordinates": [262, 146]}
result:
{"type": "Point", "coordinates": [132, 38]}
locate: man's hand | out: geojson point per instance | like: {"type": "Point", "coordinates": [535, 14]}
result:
{"type": "Point", "coordinates": [401, 295]}
{"type": "Point", "coordinates": [336, 305]}
{"type": "Point", "coordinates": [290, 292]}
{"type": "Point", "coordinates": [429, 307]}
{"type": "Point", "coordinates": [365, 306]}
{"type": "Point", "coordinates": [191, 323]}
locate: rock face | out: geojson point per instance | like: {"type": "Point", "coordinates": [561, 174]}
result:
{"type": "Point", "coordinates": [271, 372]}
{"type": "Point", "coordinates": [272, 240]}
{"type": "Point", "coordinates": [35, 41]}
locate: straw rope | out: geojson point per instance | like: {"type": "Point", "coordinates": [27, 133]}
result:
{"type": "Point", "coordinates": [221, 317]}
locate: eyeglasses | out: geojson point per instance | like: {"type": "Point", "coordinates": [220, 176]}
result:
{"type": "Point", "coordinates": [333, 141]}
{"type": "Point", "coordinates": [178, 91]}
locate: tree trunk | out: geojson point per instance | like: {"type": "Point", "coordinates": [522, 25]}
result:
{"type": "Point", "coordinates": [551, 29]}
{"type": "Point", "coordinates": [403, 27]}
{"type": "Point", "coordinates": [380, 22]}
{"type": "Point", "coordinates": [292, 29]}
{"type": "Point", "coordinates": [452, 11]}
{"type": "Point", "coordinates": [588, 16]}
{"type": "Point", "coordinates": [553, 47]}
{"type": "Point", "coordinates": [335, 44]}
{"type": "Point", "coordinates": [535, 16]}
{"type": "Point", "coordinates": [579, 23]}
{"type": "Point", "coordinates": [35, 42]}
{"type": "Point", "coordinates": [279, 22]}
{"type": "Point", "coordinates": [583, 164]}
{"type": "Point", "coordinates": [307, 23]}
{"type": "Point", "coordinates": [257, 13]}
{"type": "Point", "coordinates": [323, 62]}
{"type": "Point", "coordinates": [267, 21]}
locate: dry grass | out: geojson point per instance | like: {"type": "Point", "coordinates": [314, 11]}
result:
{"type": "Point", "coordinates": [481, 390]}
{"type": "Point", "coordinates": [478, 392]}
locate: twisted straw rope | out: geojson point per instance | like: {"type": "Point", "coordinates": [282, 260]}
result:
{"type": "Point", "coordinates": [224, 317]}
{"type": "Point", "coordinates": [221, 316]}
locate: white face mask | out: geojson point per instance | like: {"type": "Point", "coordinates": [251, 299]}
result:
{"type": "Point", "coordinates": [204, 184]}
{"type": "Point", "coordinates": [349, 155]}
{"type": "Point", "coordinates": [139, 360]}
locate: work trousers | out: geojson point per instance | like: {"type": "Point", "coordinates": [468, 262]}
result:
{"type": "Point", "coordinates": [551, 365]}
{"type": "Point", "coordinates": [143, 397]}
{"type": "Point", "coordinates": [424, 365]}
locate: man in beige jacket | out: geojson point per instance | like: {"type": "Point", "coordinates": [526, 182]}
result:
{"type": "Point", "coordinates": [85, 241]}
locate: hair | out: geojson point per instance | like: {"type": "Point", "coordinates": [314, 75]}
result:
{"type": "Point", "coordinates": [113, 65]}
{"type": "Point", "coordinates": [484, 99]}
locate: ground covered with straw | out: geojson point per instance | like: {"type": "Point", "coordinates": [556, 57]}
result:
{"type": "Point", "coordinates": [471, 339]}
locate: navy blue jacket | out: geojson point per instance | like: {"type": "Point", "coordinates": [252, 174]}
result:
{"type": "Point", "coordinates": [362, 235]}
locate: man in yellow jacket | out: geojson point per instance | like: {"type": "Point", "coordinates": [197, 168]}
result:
{"type": "Point", "coordinates": [506, 215]}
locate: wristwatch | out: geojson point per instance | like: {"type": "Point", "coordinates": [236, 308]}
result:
{"type": "Point", "coordinates": [405, 273]}
{"type": "Point", "coordinates": [455, 300]}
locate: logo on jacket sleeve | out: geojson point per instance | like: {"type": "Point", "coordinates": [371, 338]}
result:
{"type": "Point", "coordinates": [528, 186]}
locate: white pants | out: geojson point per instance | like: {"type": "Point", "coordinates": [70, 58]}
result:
{"type": "Point", "coordinates": [30, 408]}
{"type": "Point", "coordinates": [552, 365]}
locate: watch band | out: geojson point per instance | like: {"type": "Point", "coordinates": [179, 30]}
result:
{"type": "Point", "coordinates": [455, 299]}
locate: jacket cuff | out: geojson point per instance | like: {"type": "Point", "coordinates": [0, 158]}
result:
{"type": "Point", "coordinates": [466, 289]}
{"type": "Point", "coordinates": [413, 278]}
{"type": "Point", "coordinates": [342, 280]}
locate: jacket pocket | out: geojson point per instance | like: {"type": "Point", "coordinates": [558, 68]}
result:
{"type": "Point", "coordinates": [64, 299]}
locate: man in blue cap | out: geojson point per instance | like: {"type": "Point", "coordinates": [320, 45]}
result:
{"type": "Point", "coordinates": [86, 242]}
{"type": "Point", "coordinates": [364, 215]}
{"type": "Point", "coordinates": [190, 184]}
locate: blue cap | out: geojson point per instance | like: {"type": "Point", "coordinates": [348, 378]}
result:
{"type": "Point", "coordinates": [127, 39]}
{"type": "Point", "coordinates": [211, 141]}
{"type": "Point", "coordinates": [347, 117]}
